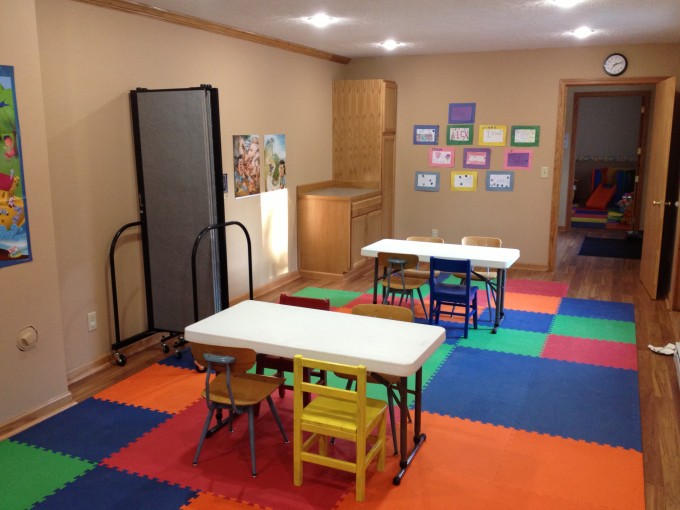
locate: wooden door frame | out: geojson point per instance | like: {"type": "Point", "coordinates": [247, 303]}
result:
{"type": "Point", "coordinates": [645, 96]}
{"type": "Point", "coordinates": [563, 95]}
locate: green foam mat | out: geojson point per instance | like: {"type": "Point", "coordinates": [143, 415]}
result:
{"type": "Point", "coordinates": [338, 298]}
{"type": "Point", "coordinates": [597, 329]}
{"type": "Point", "coordinates": [44, 472]}
{"type": "Point", "coordinates": [510, 341]}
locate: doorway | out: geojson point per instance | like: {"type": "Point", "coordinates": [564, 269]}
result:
{"type": "Point", "coordinates": [606, 159]}
{"type": "Point", "coordinates": [651, 198]}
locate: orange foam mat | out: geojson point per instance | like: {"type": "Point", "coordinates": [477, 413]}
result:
{"type": "Point", "coordinates": [532, 303]}
{"type": "Point", "coordinates": [159, 387]}
{"type": "Point", "coordinates": [466, 464]}
{"type": "Point", "coordinates": [206, 501]}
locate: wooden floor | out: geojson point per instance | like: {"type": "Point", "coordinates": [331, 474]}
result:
{"type": "Point", "coordinates": [589, 278]}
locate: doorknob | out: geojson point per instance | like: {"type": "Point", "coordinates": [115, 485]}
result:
{"type": "Point", "coordinates": [658, 202]}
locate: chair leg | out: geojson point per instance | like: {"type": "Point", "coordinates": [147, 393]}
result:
{"type": "Point", "coordinates": [204, 433]}
{"type": "Point", "coordinates": [488, 299]}
{"type": "Point", "coordinates": [422, 302]}
{"type": "Point", "coordinates": [275, 413]}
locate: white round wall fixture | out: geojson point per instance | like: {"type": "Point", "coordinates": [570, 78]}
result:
{"type": "Point", "coordinates": [28, 338]}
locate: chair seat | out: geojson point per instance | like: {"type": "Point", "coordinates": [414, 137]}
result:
{"type": "Point", "coordinates": [419, 273]}
{"type": "Point", "coordinates": [248, 389]}
{"type": "Point", "coordinates": [340, 416]}
{"type": "Point", "coordinates": [480, 276]}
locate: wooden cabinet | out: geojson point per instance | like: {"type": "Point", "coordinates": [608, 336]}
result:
{"type": "Point", "coordinates": [337, 218]}
{"type": "Point", "coordinates": [334, 223]}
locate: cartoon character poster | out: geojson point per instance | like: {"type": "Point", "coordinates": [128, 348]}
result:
{"type": "Point", "coordinates": [14, 237]}
{"type": "Point", "coordinates": [275, 161]}
{"type": "Point", "coordinates": [246, 165]}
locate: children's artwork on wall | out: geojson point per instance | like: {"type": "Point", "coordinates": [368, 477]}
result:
{"type": "Point", "coordinates": [459, 134]}
{"type": "Point", "coordinates": [425, 134]}
{"type": "Point", "coordinates": [463, 181]}
{"type": "Point", "coordinates": [275, 161]}
{"type": "Point", "coordinates": [441, 157]}
{"type": "Point", "coordinates": [15, 245]}
{"type": "Point", "coordinates": [462, 113]}
{"type": "Point", "coordinates": [525, 136]}
{"type": "Point", "coordinates": [427, 181]}
{"type": "Point", "coordinates": [477, 158]}
{"type": "Point", "coordinates": [246, 165]}
{"type": "Point", "coordinates": [500, 181]}
{"type": "Point", "coordinates": [492, 134]}
{"type": "Point", "coordinates": [517, 159]}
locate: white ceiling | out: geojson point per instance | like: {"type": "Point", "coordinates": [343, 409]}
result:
{"type": "Point", "coordinates": [441, 26]}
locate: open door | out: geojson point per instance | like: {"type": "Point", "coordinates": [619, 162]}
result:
{"type": "Point", "coordinates": [654, 201]}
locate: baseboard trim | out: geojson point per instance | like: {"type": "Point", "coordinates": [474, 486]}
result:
{"type": "Point", "coordinates": [26, 420]}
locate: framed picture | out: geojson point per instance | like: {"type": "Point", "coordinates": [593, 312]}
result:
{"type": "Point", "coordinates": [463, 113]}
{"type": "Point", "coordinates": [427, 181]}
{"type": "Point", "coordinates": [517, 159]}
{"type": "Point", "coordinates": [500, 181]}
{"type": "Point", "coordinates": [525, 136]}
{"type": "Point", "coordinates": [459, 134]}
{"type": "Point", "coordinates": [425, 135]}
{"type": "Point", "coordinates": [463, 181]}
{"type": "Point", "coordinates": [492, 134]}
{"type": "Point", "coordinates": [477, 158]}
{"type": "Point", "coordinates": [441, 157]}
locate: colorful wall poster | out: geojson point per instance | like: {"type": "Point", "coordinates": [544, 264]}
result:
{"type": "Point", "coordinates": [440, 156]}
{"type": "Point", "coordinates": [15, 245]}
{"type": "Point", "coordinates": [246, 165]}
{"type": "Point", "coordinates": [492, 134]}
{"type": "Point", "coordinates": [500, 181]}
{"type": "Point", "coordinates": [275, 161]}
{"type": "Point", "coordinates": [459, 134]}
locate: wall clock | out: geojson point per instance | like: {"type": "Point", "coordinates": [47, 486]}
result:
{"type": "Point", "coordinates": [615, 64]}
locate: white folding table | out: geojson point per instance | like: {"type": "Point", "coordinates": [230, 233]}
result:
{"type": "Point", "coordinates": [381, 345]}
{"type": "Point", "coordinates": [485, 256]}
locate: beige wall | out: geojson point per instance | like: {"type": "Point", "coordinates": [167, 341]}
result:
{"type": "Point", "coordinates": [91, 58]}
{"type": "Point", "coordinates": [30, 291]}
{"type": "Point", "coordinates": [75, 64]}
{"type": "Point", "coordinates": [509, 88]}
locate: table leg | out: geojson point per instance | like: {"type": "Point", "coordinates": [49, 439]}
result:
{"type": "Point", "coordinates": [375, 281]}
{"type": "Point", "coordinates": [500, 300]}
{"type": "Point", "coordinates": [418, 438]}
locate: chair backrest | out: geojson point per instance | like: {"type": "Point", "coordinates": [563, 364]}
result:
{"type": "Point", "coordinates": [357, 395]}
{"type": "Point", "coordinates": [305, 302]}
{"type": "Point", "coordinates": [493, 242]}
{"type": "Point", "coordinates": [397, 313]}
{"type": "Point", "coordinates": [423, 239]}
{"type": "Point", "coordinates": [384, 259]}
{"type": "Point", "coordinates": [462, 267]}
{"type": "Point", "coordinates": [245, 358]}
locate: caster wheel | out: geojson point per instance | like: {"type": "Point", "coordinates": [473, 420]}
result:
{"type": "Point", "coordinates": [120, 359]}
{"type": "Point", "coordinates": [166, 349]}
{"type": "Point", "coordinates": [178, 354]}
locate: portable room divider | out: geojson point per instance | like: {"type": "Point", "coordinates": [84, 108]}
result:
{"type": "Point", "coordinates": [179, 177]}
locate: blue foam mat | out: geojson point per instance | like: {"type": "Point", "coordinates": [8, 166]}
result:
{"type": "Point", "coordinates": [592, 403]}
{"type": "Point", "coordinates": [105, 488]}
{"type": "Point", "coordinates": [93, 429]}
{"type": "Point", "coordinates": [597, 309]}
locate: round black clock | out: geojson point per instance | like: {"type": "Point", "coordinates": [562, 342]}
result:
{"type": "Point", "coordinates": [615, 64]}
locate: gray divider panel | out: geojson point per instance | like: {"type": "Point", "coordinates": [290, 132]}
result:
{"type": "Point", "coordinates": [178, 199]}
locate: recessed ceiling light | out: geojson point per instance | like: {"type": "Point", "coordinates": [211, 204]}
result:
{"type": "Point", "coordinates": [320, 20]}
{"type": "Point", "coordinates": [390, 44]}
{"type": "Point", "coordinates": [565, 4]}
{"type": "Point", "coordinates": [582, 32]}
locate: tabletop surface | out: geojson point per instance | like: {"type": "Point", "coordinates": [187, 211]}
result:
{"type": "Point", "coordinates": [497, 258]}
{"type": "Point", "coordinates": [381, 345]}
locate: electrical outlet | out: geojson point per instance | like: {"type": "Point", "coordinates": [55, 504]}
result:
{"type": "Point", "coordinates": [92, 321]}
{"type": "Point", "coordinates": [544, 171]}
{"type": "Point", "coordinates": [435, 232]}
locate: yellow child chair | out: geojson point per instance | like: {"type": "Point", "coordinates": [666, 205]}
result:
{"type": "Point", "coordinates": [338, 413]}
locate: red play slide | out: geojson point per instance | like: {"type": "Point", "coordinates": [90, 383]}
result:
{"type": "Point", "coordinates": [601, 197]}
